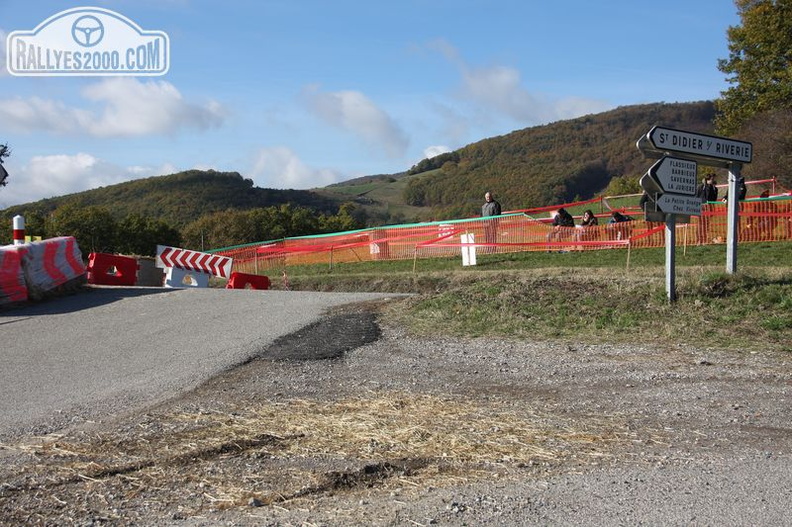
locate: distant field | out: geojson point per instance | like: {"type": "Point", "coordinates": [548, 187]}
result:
{"type": "Point", "coordinates": [382, 195]}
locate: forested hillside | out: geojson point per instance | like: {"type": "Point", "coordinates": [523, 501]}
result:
{"type": "Point", "coordinates": [537, 166]}
{"type": "Point", "coordinates": [182, 198]}
{"type": "Point", "coordinates": [549, 164]}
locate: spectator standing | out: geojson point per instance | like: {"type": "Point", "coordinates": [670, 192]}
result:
{"type": "Point", "coordinates": [742, 190]}
{"type": "Point", "coordinates": [490, 209]}
{"type": "Point", "coordinates": [707, 192]}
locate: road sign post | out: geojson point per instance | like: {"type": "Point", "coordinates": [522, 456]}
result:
{"type": "Point", "coordinates": [732, 220]}
{"type": "Point", "coordinates": [670, 257]}
{"type": "Point", "coordinates": [671, 183]}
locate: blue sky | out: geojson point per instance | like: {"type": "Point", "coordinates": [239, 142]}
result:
{"type": "Point", "coordinates": [303, 93]}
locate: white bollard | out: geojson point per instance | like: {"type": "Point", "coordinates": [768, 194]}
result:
{"type": "Point", "coordinates": [19, 230]}
{"type": "Point", "coordinates": [468, 251]}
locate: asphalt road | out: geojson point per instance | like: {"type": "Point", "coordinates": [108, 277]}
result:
{"type": "Point", "coordinates": [110, 350]}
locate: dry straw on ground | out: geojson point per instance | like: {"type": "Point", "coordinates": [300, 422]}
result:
{"type": "Point", "coordinates": [279, 452]}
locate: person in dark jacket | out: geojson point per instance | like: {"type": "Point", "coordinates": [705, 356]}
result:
{"type": "Point", "coordinates": [562, 224]}
{"type": "Point", "coordinates": [742, 190]}
{"type": "Point", "coordinates": [489, 209]}
{"type": "Point", "coordinates": [707, 192]}
{"type": "Point", "coordinates": [584, 231]}
{"type": "Point", "coordinates": [617, 225]}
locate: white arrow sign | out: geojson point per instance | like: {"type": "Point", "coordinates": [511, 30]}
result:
{"type": "Point", "coordinates": [710, 146]}
{"type": "Point", "coordinates": [677, 176]}
{"type": "Point", "coordinates": [679, 204]}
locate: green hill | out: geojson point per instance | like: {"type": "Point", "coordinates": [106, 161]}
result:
{"type": "Point", "coordinates": [541, 165]}
{"type": "Point", "coordinates": [181, 198]}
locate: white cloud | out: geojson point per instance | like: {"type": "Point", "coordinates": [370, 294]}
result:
{"type": "Point", "coordinates": [501, 89]}
{"type": "Point", "coordinates": [34, 114]}
{"type": "Point", "coordinates": [129, 107]}
{"type": "Point", "coordinates": [138, 108]}
{"type": "Point", "coordinates": [56, 175]}
{"type": "Point", "coordinates": [280, 167]}
{"type": "Point", "coordinates": [433, 151]}
{"type": "Point", "coordinates": [356, 113]}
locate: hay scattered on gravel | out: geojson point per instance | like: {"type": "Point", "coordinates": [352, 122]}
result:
{"type": "Point", "coordinates": [281, 451]}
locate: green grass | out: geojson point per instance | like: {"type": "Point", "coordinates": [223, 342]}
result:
{"type": "Point", "coordinates": [586, 296]}
{"type": "Point", "coordinates": [778, 254]}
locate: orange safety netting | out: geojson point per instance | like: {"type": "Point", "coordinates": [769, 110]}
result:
{"type": "Point", "coordinates": [759, 220]}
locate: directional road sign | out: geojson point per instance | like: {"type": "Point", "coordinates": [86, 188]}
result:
{"type": "Point", "coordinates": [660, 139]}
{"type": "Point", "coordinates": [675, 176]}
{"type": "Point", "coordinates": [679, 204]}
{"type": "Point", "coordinates": [669, 183]}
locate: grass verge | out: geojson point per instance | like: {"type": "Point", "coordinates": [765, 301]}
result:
{"type": "Point", "coordinates": [586, 296]}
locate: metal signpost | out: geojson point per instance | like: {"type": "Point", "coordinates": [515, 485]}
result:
{"type": "Point", "coordinates": [671, 184]}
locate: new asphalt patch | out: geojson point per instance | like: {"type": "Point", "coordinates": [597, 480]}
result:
{"type": "Point", "coordinates": [328, 338]}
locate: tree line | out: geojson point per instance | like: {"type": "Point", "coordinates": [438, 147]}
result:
{"type": "Point", "coordinates": [97, 229]}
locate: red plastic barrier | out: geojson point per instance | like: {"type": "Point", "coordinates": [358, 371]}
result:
{"type": "Point", "coordinates": [111, 269]}
{"type": "Point", "coordinates": [242, 280]}
{"type": "Point", "coordinates": [12, 279]}
{"type": "Point", "coordinates": [51, 263]}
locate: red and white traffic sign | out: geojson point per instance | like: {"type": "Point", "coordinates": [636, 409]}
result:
{"type": "Point", "coordinates": [700, 145]}
{"type": "Point", "coordinates": [219, 266]}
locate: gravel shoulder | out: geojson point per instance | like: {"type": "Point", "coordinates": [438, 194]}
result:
{"type": "Point", "coordinates": [352, 421]}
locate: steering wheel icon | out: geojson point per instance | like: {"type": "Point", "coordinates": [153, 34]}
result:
{"type": "Point", "coordinates": [87, 31]}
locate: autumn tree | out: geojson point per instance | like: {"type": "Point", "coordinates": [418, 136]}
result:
{"type": "Point", "coordinates": [759, 66]}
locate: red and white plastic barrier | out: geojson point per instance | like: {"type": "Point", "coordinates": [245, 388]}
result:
{"type": "Point", "coordinates": [50, 264]}
{"type": "Point", "coordinates": [12, 279]}
{"type": "Point", "coordinates": [32, 270]}
{"type": "Point", "coordinates": [243, 280]}
{"type": "Point", "coordinates": [185, 268]}
{"type": "Point", "coordinates": [112, 269]}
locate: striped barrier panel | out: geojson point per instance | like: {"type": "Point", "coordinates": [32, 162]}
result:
{"type": "Point", "coordinates": [12, 279]}
{"type": "Point", "coordinates": [185, 268]}
{"type": "Point", "coordinates": [50, 264]}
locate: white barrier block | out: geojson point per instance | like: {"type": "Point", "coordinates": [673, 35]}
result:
{"type": "Point", "coordinates": [179, 278]}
